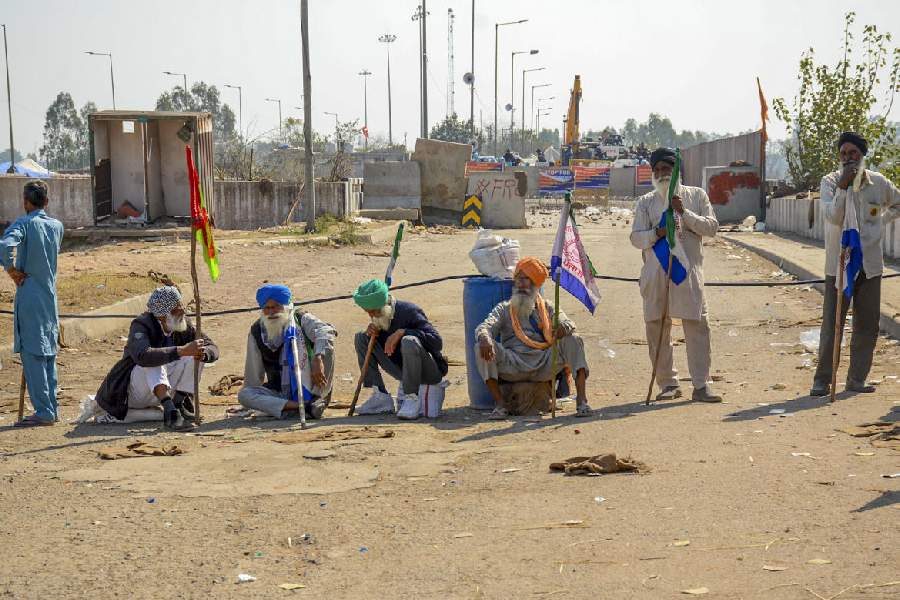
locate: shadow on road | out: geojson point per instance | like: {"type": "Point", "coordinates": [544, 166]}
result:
{"type": "Point", "coordinates": [887, 498]}
{"type": "Point", "coordinates": [798, 404]}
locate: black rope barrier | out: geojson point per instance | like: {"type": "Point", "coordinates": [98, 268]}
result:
{"type": "Point", "coordinates": [236, 311]}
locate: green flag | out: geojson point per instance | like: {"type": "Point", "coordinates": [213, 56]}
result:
{"type": "Point", "coordinates": [673, 185]}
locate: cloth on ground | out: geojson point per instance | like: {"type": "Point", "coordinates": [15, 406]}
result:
{"type": "Point", "coordinates": [227, 385]}
{"type": "Point", "coordinates": [333, 435]}
{"type": "Point", "coordinates": [881, 434]}
{"type": "Point", "coordinates": [598, 465]}
{"type": "Point", "coordinates": [138, 449]}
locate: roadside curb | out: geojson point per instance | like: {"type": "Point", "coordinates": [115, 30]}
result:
{"type": "Point", "coordinates": [888, 323]}
{"type": "Point", "coordinates": [77, 330]}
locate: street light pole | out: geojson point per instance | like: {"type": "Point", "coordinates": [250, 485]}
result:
{"type": "Point", "coordinates": [472, 85]}
{"type": "Point", "coordinates": [524, 71]}
{"type": "Point", "coordinates": [536, 130]}
{"type": "Point", "coordinates": [387, 39]}
{"type": "Point", "coordinates": [309, 175]}
{"type": "Point", "coordinates": [497, 27]}
{"type": "Point", "coordinates": [539, 113]}
{"type": "Point", "coordinates": [539, 85]}
{"type": "Point", "coordinates": [112, 78]}
{"type": "Point", "coordinates": [365, 75]}
{"type": "Point", "coordinates": [12, 146]}
{"type": "Point", "coordinates": [184, 79]}
{"type": "Point", "coordinates": [280, 136]}
{"type": "Point", "coordinates": [512, 92]}
{"type": "Point", "coordinates": [240, 107]}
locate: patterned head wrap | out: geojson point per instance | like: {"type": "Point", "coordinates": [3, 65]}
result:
{"type": "Point", "coordinates": [163, 300]}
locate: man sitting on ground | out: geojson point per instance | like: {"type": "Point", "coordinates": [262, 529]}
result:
{"type": "Point", "coordinates": [408, 347]}
{"type": "Point", "coordinates": [157, 369]}
{"type": "Point", "coordinates": [523, 326]}
{"type": "Point", "coordinates": [269, 380]}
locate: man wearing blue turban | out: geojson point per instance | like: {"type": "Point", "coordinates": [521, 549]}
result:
{"type": "Point", "coordinates": [270, 384]}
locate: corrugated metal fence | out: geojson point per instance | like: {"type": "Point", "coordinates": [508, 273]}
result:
{"type": "Point", "coordinates": [720, 153]}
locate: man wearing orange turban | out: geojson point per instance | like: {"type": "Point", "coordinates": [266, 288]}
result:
{"type": "Point", "coordinates": [515, 341]}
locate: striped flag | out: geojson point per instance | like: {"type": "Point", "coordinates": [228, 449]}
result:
{"type": "Point", "coordinates": [851, 244]}
{"type": "Point", "coordinates": [388, 276]}
{"type": "Point", "coordinates": [576, 273]}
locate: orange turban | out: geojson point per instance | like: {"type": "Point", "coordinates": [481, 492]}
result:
{"type": "Point", "coordinates": [534, 269]}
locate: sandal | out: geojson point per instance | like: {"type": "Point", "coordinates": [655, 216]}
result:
{"type": "Point", "coordinates": [498, 414]}
{"type": "Point", "coordinates": [34, 421]}
{"type": "Point", "coordinates": [583, 410]}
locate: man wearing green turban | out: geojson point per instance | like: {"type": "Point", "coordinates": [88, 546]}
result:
{"type": "Point", "coordinates": [407, 347]}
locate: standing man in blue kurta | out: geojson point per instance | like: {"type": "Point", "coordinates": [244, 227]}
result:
{"type": "Point", "coordinates": [35, 239]}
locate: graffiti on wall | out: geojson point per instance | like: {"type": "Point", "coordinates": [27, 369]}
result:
{"type": "Point", "coordinates": [723, 185]}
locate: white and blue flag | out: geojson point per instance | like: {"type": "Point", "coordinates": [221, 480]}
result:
{"type": "Point", "coordinates": [576, 273]}
{"type": "Point", "coordinates": [851, 244]}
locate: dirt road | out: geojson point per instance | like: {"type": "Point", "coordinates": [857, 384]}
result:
{"type": "Point", "coordinates": [739, 501]}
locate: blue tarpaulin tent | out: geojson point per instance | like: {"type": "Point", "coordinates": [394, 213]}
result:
{"type": "Point", "coordinates": [26, 167]}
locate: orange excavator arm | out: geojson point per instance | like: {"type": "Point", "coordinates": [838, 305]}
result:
{"type": "Point", "coordinates": [572, 133]}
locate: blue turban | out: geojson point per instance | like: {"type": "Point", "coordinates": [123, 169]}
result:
{"type": "Point", "coordinates": [279, 293]}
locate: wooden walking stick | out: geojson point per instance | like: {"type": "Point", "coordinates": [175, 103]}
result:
{"type": "Point", "coordinates": [838, 326]}
{"type": "Point", "coordinates": [22, 396]}
{"type": "Point", "coordinates": [554, 353]}
{"type": "Point", "coordinates": [662, 329]}
{"type": "Point", "coordinates": [362, 375]}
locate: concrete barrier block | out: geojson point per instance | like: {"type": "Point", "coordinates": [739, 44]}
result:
{"type": "Point", "coordinates": [392, 185]}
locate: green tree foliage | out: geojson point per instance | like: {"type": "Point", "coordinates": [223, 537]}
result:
{"type": "Point", "coordinates": [453, 129]}
{"type": "Point", "coordinates": [658, 130]}
{"type": "Point", "coordinates": [841, 98]}
{"type": "Point", "coordinates": [65, 134]}
{"type": "Point", "coordinates": [201, 98]}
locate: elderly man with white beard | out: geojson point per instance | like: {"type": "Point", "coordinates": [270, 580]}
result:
{"type": "Point", "coordinates": [269, 384]}
{"type": "Point", "coordinates": [515, 341]}
{"type": "Point", "coordinates": [157, 369]}
{"type": "Point", "coordinates": [695, 220]}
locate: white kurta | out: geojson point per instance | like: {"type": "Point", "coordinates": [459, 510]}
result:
{"type": "Point", "coordinates": [686, 300]}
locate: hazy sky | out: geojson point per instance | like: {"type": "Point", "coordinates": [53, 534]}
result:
{"type": "Point", "coordinates": [692, 60]}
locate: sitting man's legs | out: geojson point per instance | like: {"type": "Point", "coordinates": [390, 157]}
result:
{"type": "Point", "coordinates": [159, 386]}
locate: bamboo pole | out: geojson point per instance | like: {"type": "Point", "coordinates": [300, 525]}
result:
{"type": "Point", "coordinates": [554, 352]}
{"type": "Point", "coordinates": [199, 332]}
{"type": "Point", "coordinates": [838, 325]}
{"type": "Point", "coordinates": [662, 328]}
{"type": "Point", "coordinates": [362, 375]}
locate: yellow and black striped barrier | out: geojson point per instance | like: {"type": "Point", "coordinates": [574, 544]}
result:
{"type": "Point", "coordinates": [472, 212]}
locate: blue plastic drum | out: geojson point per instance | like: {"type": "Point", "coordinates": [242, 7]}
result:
{"type": "Point", "coordinates": [480, 296]}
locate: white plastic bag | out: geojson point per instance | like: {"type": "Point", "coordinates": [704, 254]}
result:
{"type": "Point", "coordinates": [494, 256]}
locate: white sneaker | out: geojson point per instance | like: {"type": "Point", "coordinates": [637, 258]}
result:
{"type": "Point", "coordinates": [378, 403]}
{"type": "Point", "coordinates": [399, 397]}
{"type": "Point", "coordinates": [411, 407]}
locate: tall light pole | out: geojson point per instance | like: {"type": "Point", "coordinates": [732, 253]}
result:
{"type": "Point", "coordinates": [184, 78]}
{"type": "Point", "coordinates": [12, 146]}
{"type": "Point", "coordinates": [365, 75]}
{"type": "Point", "coordinates": [544, 112]}
{"type": "Point", "coordinates": [472, 85]}
{"type": "Point", "coordinates": [536, 130]}
{"type": "Point", "coordinates": [308, 168]}
{"type": "Point", "coordinates": [524, 71]}
{"type": "Point", "coordinates": [240, 108]}
{"type": "Point", "coordinates": [534, 87]}
{"type": "Point", "coordinates": [337, 142]}
{"type": "Point", "coordinates": [387, 39]}
{"type": "Point", "coordinates": [112, 79]}
{"type": "Point", "coordinates": [512, 92]}
{"type": "Point", "coordinates": [497, 27]}
{"type": "Point", "coordinates": [280, 136]}
{"type": "Point", "coordinates": [420, 16]}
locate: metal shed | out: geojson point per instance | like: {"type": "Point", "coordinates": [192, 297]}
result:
{"type": "Point", "coordinates": [138, 157]}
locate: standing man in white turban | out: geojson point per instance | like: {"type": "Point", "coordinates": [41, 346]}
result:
{"type": "Point", "coordinates": [157, 368]}
{"type": "Point", "coordinates": [686, 301]}
{"type": "Point", "coordinates": [877, 202]}
{"type": "Point", "coordinates": [269, 377]}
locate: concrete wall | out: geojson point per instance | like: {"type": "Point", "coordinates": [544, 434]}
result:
{"type": "Point", "coordinates": [720, 153]}
{"type": "Point", "coordinates": [804, 217]}
{"type": "Point", "coordinates": [251, 205]}
{"type": "Point", "coordinates": [734, 192]}
{"type": "Point", "coordinates": [392, 185]}
{"type": "Point", "coordinates": [71, 200]}
{"type": "Point", "coordinates": [443, 168]}
{"type": "Point", "coordinates": [503, 198]}
{"type": "Point", "coordinates": [173, 172]}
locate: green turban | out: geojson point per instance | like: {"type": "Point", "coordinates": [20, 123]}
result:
{"type": "Point", "coordinates": [371, 295]}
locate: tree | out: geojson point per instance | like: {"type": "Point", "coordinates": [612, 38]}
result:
{"type": "Point", "coordinates": [65, 134]}
{"type": "Point", "coordinates": [842, 98]}
{"type": "Point", "coordinates": [200, 98]}
{"type": "Point", "coordinates": [630, 132]}
{"type": "Point", "coordinates": [453, 129]}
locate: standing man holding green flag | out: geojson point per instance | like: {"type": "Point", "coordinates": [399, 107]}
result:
{"type": "Point", "coordinates": [669, 226]}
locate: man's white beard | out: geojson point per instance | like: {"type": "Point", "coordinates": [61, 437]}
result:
{"type": "Point", "coordinates": [523, 303]}
{"type": "Point", "coordinates": [176, 325]}
{"type": "Point", "coordinates": [383, 321]}
{"type": "Point", "coordinates": [275, 324]}
{"type": "Point", "coordinates": [662, 186]}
